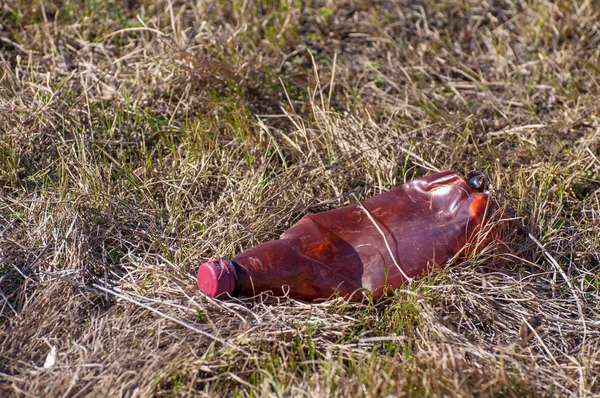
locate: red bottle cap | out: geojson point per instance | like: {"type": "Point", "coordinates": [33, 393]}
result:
{"type": "Point", "coordinates": [216, 278]}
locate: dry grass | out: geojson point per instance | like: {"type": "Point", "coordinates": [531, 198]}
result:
{"type": "Point", "coordinates": [140, 138]}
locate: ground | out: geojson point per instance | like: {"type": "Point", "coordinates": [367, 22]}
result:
{"type": "Point", "coordinates": [141, 138]}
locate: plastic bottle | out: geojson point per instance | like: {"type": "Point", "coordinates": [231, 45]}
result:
{"type": "Point", "coordinates": [377, 245]}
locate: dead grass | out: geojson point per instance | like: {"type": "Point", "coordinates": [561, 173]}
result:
{"type": "Point", "coordinates": [139, 138]}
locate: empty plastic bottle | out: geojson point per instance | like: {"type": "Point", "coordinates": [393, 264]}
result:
{"type": "Point", "coordinates": [377, 245]}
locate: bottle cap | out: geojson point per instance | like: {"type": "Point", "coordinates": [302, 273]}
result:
{"type": "Point", "coordinates": [216, 277]}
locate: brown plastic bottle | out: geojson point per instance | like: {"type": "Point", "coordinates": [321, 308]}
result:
{"type": "Point", "coordinates": [377, 245]}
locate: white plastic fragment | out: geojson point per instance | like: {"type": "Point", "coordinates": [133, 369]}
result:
{"type": "Point", "coordinates": [50, 358]}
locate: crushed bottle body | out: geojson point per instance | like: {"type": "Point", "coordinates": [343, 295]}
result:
{"type": "Point", "coordinates": [376, 245]}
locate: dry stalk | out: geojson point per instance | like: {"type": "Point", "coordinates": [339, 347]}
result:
{"type": "Point", "coordinates": [170, 318]}
{"type": "Point", "coordinates": [387, 245]}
